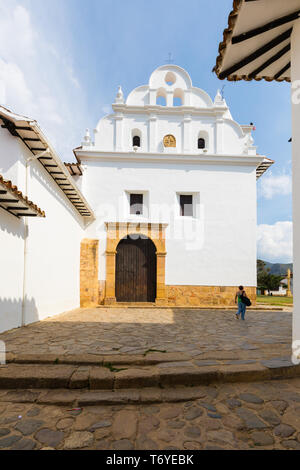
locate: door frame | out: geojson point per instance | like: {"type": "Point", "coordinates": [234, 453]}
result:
{"type": "Point", "coordinates": [138, 254]}
{"type": "Point", "coordinates": [116, 231]}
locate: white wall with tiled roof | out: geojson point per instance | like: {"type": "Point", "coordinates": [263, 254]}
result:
{"type": "Point", "coordinates": [49, 282]}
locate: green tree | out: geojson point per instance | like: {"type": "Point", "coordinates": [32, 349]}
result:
{"type": "Point", "coordinates": [266, 280]}
{"type": "Point", "coordinates": [261, 266]}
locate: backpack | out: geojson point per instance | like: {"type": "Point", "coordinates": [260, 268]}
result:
{"type": "Point", "coordinates": [245, 300]}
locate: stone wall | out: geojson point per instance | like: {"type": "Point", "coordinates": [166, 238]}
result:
{"type": "Point", "coordinates": [102, 287]}
{"type": "Point", "coordinates": [195, 296]}
{"type": "Point", "coordinates": [201, 296]}
{"type": "Point", "coordinates": [89, 289]}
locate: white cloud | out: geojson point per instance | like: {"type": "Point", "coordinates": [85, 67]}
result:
{"type": "Point", "coordinates": [275, 185]}
{"type": "Point", "coordinates": [17, 37]}
{"type": "Point", "coordinates": [13, 84]}
{"type": "Point", "coordinates": [275, 242]}
{"type": "Point", "coordinates": [38, 80]}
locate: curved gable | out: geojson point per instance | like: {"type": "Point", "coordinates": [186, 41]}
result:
{"type": "Point", "coordinates": [171, 77]}
{"type": "Point", "coordinates": [139, 96]}
{"type": "Point", "coordinates": [200, 99]}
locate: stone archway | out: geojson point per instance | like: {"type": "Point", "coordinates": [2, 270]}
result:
{"type": "Point", "coordinates": [117, 231]}
{"type": "Point", "coordinates": [136, 269]}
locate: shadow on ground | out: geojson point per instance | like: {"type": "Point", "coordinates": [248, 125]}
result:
{"type": "Point", "coordinates": [110, 331]}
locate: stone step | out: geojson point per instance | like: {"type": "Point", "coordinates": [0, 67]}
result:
{"type": "Point", "coordinates": [84, 398]}
{"type": "Point", "coordinates": [163, 375]}
{"type": "Point", "coordinates": [260, 308]}
{"type": "Point", "coordinates": [131, 305]}
{"type": "Point", "coordinates": [248, 353]}
{"type": "Point", "coordinates": [150, 357]}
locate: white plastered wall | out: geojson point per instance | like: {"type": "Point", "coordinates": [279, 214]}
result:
{"type": "Point", "coordinates": [53, 245]}
{"type": "Point", "coordinates": [217, 247]}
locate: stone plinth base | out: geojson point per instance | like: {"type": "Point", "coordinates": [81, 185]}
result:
{"type": "Point", "coordinates": [161, 302]}
{"type": "Point", "coordinates": [201, 296]}
{"type": "Point", "coordinates": [190, 296]}
{"type": "Point", "coordinates": [89, 295]}
{"type": "Point", "coordinates": [110, 301]}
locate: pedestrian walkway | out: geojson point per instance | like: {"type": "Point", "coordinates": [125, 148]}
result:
{"type": "Point", "coordinates": [197, 333]}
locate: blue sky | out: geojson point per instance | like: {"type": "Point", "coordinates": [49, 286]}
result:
{"type": "Point", "coordinates": [65, 59]}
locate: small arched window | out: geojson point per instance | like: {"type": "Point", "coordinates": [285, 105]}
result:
{"type": "Point", "coordinates": [201, 143]}
{"type": "Point", "coordinates": [177, 101]}
{"type": "Point", "coordinates": [178, 97]}
{"type": "Point", "coordinates": [161, 101]}
{"type": "Point", "coordinates": [161, 97]}
{"type": "Point", "coordinates": [136, 141]}
{"type": "Point", "coordinates": [136, 138]}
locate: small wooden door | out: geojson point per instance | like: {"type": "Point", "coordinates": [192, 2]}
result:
{"type": "Point", "coordinates": [136, 270]}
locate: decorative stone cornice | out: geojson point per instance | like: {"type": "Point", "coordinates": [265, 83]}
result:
{"type": "Point", "coordinates": [163, 110]}
{"type": "Point", "coordinates": [183, 158]}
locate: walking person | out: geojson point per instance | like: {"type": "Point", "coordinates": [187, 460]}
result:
{"type": "Point", "coordinates": [240, 299]}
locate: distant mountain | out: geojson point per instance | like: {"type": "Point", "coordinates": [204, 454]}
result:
{"type": "Point", "coordinates": [279, 269]}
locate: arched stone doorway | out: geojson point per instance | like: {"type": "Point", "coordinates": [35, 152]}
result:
{"type": "Point", "coordinates": [116, 232]}
{"type": "Point", "coordinates": [136, 269]}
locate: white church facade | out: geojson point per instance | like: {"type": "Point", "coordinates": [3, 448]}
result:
{"type": "Point", "coordinates": [173, 165]}
{"type": "Point", "coordinates": [160, 207]}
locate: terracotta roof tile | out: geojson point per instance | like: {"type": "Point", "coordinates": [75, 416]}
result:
{"type": "Point", "coordinates": [227, 37]}
{"type": "Point", "coordinates": [13, 190]}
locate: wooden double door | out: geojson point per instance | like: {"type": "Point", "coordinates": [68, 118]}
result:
{"type": "Point", "coordinates": [136, 269]}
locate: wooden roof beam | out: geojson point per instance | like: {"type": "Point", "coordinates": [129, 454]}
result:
{"type": "Point", "coordinates": [267, 27]}
{"type": "Point", "coordinates": [281, 72]}
{"type": "Point", "coordinates": [26, 215]}
{"type": "Point", "coordinates": [31, 135]}
{"type": "Point", "coordinates": [9, 126]}
{"type": "Point", "coordinates": [13, 208]}
{"type": "Point", "coordinates": [9, 200]}
{"type": "Point", "coordinates": [24, 129]}
{"type": "Point", "coordinates": [12, 213]}
{"type": "Point", "coordinates": [270, 61]}
{"type": "Point", "coordinates": [255, 55]}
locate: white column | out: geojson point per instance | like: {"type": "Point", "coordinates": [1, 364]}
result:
{"type": "Point", "coordinates": [187, 134]}
{"type": "Point", "coordinates": [152, 144]}
{"type": "Point", "coordinates": [187, 97]}
{"type": "Point", "coordinates": [152, 96]}
{"type": "Point", "coordinates": [119, 132]}
{"type": "Point", "coordinates": [219, 135]}
{"type": "Point", "coordinates": [295, 76]}
{"type": "Point", "coordinates": [170, 98]}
